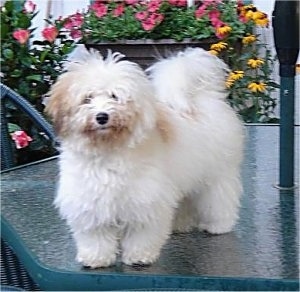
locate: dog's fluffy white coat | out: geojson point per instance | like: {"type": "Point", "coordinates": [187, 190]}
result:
{"type": "Point", "coordinates": [167, 158]}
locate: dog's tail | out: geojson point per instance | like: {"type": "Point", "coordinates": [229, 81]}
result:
{"type": "Point", "coordinates": [188, 75]}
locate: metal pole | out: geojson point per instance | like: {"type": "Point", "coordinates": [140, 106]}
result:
{"type": "Point", "coordinates": [287, 133]}
{"type": "Point", "coordinates": [286, 37]}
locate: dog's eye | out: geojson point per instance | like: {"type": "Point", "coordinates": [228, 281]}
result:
{"type": "Point", "coordinates": [88, 99]}
{"type": "Point", "coordinates": [113, 96]}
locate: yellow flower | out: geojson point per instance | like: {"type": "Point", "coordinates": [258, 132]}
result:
{"type": "Point", "coordinates": [257, 15]}
{"type": "Point", "coordinates": [255, 63]}
{"type": "Point", "coordinates": [223, 30]}
{"type": "Point", "coordinates": [250, 12]}
{"type": "Point", "coordinates": [233, 76]}
{"type": "Point", "coordinates": [229, 82]}
{"type": "Point", "coordinates": [236, 75]}
{"type": "Point", "coordinates": [264, 21]}
{"type": "Point", "coordinates": [257, 86]}
{"type": "Point", "coordinates": [213, 52]}
{"type": "Point", "coordinates": [249, 39]}
{"type": "Point", "coordinates": [219, 46]}
{"type": "Point", "coordinates": [250, 7]}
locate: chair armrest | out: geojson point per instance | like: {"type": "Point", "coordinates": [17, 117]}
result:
{"type": "Point", "coordinates": [7, 94]}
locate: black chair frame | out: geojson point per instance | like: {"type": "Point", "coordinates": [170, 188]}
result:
{"type": "Point", "coordinates": [13, 274]}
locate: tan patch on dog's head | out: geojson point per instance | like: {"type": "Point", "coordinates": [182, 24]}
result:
{"type": "Point", "coordinates": [164, 126]}
{"type": "Point", "coordinates": [59, 103]}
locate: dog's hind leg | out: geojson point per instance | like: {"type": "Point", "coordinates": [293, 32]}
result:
{"type": "Point", "coordinates": [218, 205]}
{"type": "Point", "coordinates": [186, 216]}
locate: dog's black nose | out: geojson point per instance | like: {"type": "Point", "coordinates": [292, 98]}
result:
{"type": "Point", "coordinates": [102, 118]}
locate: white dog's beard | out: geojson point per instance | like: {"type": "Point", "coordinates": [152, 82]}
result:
{"type": "Point", "coordinates": [105, 129]}
{"type": "Point", "coordinates": [106, 134]}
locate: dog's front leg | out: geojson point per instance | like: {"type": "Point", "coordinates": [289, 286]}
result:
{"type": "Point", "coordinates": [142, 244]}
{"type": "Point", "coordinates": [96, 247]}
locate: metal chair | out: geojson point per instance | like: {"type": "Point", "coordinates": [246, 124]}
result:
{"type": "Point", "coordinates": [13, 275]}
{"type": "Point", "coordinates": [8, 95]}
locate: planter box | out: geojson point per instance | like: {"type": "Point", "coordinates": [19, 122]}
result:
{"type": "Point", "coordinates": [146, 52]}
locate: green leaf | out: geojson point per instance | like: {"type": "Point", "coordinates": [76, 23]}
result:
{"type": "Point", "coordinates": [24, 21]}
{"type": "Point", "coordinates": [9, 6]}
{"type": "Point", "coordinates": [4, 30]}
{"type": "Point", "coordinates": [13, 128]}
{"type": "Point", "coordinates": [16, 73]}
{"type": "Point", "coordinates": [34, 78]}
{"type": "Point", "coordinates": [8, 54]}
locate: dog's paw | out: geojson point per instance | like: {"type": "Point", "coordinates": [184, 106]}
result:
{"type": "Point", "coordinates": [139, 257]}
{"type": "Point", "coordinates": [90, 260]}
{"type": "Point", "coordinates": [178, 228]}
{"type": "Point", "coordinates": [217, 227]}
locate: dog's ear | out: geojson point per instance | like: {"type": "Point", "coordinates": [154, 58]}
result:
{"type": "Point", "coordinates": [58, 104]}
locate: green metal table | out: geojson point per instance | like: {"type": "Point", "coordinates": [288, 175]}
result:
{"type": "Point", "coordinates": [260, 254]}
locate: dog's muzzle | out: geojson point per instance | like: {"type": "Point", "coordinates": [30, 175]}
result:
{"type": "Point", "coordinates": [102, 118]}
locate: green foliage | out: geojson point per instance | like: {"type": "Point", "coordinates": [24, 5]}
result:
{"type": "Point", "coordinates": [253, 106]}
{"type": "Point", "coordinates": [30, 68]}
{"type": "Point", "coordinates": [229, 22]}
{"type": "Point", "coordinates": [178, 21]}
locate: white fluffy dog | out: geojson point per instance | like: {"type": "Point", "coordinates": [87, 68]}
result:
{"type": "Point", "coordinates": [144, 155]}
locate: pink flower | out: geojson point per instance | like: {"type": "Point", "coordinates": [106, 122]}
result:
{"type": "Point", "coordinates": [142, 15]}
{"type": "Point", "coordinates": [214, 17]}
{"type": "Point", "coordinates": [243, 18]}
{"type": "Point", "coordinates": [211, 2]}
{"type": "Point", "coordinates": [50, 33]}
{"type": "Point", "coordinates": [157, 18]}
{"type": "Point", "coordinates": [200, 11]}
{"type": "Point", "coordinates": [131, 2]}
{"type": "Point", "coordinates": [29, 6]}
{"type": "Point", "coordinates": [119, 10]}
{"type": "Point", "coordinates": [21, 139]}
{"type": "Point", "coordinates": [99, 9]}
{"type": "Point", "coordinates": [153, 5]}
{"type": "Point", "coordinates": [21, 35]}
{"type": "Point", "coordinates": [153, 20]}
{"type": "Point", "coordinates": [148, 25]}
{"type": "Point", "coordinates": [178, 3]}
{"type": "Point", "coordinates": [75, 34]}
{"type": "Point", "coordinates": [74, 20]}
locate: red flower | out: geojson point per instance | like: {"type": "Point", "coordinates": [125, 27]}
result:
{"type": "Point", "coordinates": [157, 18]}
{"type": "Point", "coordinates": [74, 20]}
{"type": "Point", "coordinates": [148, 24]}
{"type": "Point", "coordinates": [200, 11]}
{"type": "Point", "coordinates": [29, 6]}
{"type": "Point", "coordinates": [131, 2]}
{"type": "Point", "coordinates": [50, 33]}
{"type": "Point", "coordinates": [153, 20]}
{"type": "Point", "coordinates": [118, 10]}
{"type": "Point", "coordinates": [21, 35]}
{"type": "Point", "coordinates": [178, 3]}
{"type": "Point", "coordinates": [212, 2]}
{"type": "Point", "coordinates": [142, 15]}
{"type": "Point", "coordinates": [75, 34]}
{"type": "Point", "coordinates": [21, 139]}
{"type": "Point", "coordinates": [153, 5]}
{"type": "Point", "coordinates": [214, 17]}
{"type": "Point", "coordinates": [99, 9]}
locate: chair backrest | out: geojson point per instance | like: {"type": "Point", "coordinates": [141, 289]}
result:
{"type": "Point", "coordinates": [7, 94]}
